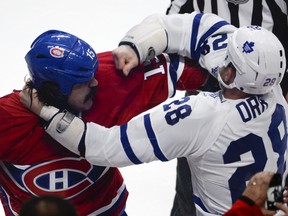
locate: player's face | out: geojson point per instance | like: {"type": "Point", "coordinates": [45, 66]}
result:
{"type": "Point", "coordinates": [227, 75]}
{"type": "Point", "coordinates": [221, 74]}
{"type": "Point", "coordinates": [81, 97]}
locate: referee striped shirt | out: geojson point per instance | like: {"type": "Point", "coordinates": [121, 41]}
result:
{"type": "Point", "coordinates": [270, 14]}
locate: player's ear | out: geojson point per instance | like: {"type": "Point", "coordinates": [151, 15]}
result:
{"type": "Point", "coordinates": [229, 75]}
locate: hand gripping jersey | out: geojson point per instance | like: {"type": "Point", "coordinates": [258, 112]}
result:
{"type": "Point", "coordinates": [225, 141]}
{"type": "Point", "coordinates": [34, 164]}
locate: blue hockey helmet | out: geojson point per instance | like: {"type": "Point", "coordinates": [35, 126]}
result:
{"type": "Point", "coordinates": [62, 58]}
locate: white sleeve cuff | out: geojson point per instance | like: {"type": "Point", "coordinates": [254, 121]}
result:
{"type": "Point", "coordinates": [66, 133]}
{"type": "Point", "coordinates": [47, 112]}
{"type": "Point", "coordinates": [149, 38]}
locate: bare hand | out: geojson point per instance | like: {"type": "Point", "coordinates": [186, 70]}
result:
{"type": "Point", "coordinates": [125, 59]}
{"type": "Point", "coordinates": [257, 189]}
{"type": "Point", "coordinates": [283, 208]}
{"type": "Point", "coordinates": [30, 100]}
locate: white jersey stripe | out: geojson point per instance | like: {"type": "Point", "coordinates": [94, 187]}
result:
{"type": "Point", "coordinates": [105, 210]}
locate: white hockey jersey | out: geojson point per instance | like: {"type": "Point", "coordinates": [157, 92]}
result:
{"type": "Point", "coordinates": [225, 141]}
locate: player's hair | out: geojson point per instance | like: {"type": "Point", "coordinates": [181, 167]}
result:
{"type": "Point", "coordinates": [49, 93]}
{"type": "Point", "coordinates": [48, 206]}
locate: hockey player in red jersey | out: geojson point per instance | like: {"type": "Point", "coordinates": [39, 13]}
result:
{"type": "Point", "coordinates": [32, 166]}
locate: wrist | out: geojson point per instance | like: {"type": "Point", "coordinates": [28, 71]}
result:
{"type": "Point", "coordinates": [247, 200]}
{"type": "Point", "coordinates": [133, 47]}
{"type": "Point", "coordinates": [148, 39]}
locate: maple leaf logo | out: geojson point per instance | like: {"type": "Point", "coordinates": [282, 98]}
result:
{"type": "Point", "coordinates": [248, 47]}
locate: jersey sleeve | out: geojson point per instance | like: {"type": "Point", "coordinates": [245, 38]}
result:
{"type": "Point", "coordinates": [201, 37]}
{"type": "Point", "coordinates": [121, 98]}
{"type": "Point", "coordinates": [175, 129]}
{"type": "Point", "coordinates": [142, 139]}
{"type": "Point", "coordinates": [192, 77]}
{"type": "Point", "coordinates": [243, 208]}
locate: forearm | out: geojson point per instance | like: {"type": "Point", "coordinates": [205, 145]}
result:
{"type": "Point", "coordinates": [99, 145]}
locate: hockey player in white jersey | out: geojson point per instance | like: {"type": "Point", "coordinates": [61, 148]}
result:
{"type": "Point", "coordinates": [226, 136]}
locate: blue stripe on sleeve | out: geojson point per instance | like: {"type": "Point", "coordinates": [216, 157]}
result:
{"type": "Point", "coordinates": [151, 135]}
{"type": "Point", "coordinates": [211, 30]}
{"type": "Point", "coordinates": [198, 202]}
{"type": "Point", "coordinates": [174, 64]}
{"type": "Point", "coordinates": [126, 145]}
{"type": "Point", "coordinates": [194, 33]}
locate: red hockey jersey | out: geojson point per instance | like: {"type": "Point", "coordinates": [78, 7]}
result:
{"type": "Point", "coordinates": [33, 164]}
{"type": "Point", "coordinates": [241, 207]}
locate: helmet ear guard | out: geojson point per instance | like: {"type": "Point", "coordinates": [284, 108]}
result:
{"type": "Point", "coordinates": [62, 58]}
{"type": "Point", "coordinates": [259, 64]}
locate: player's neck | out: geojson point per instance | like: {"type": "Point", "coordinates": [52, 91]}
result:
{"type": "Point", "coordinates": [234, 94]}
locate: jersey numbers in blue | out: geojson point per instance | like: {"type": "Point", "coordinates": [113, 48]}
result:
{"type": "Point", "coordinates": [219, 42]}
{"type": "Point", "coordinates": [250, 143]}
{"type": "Point", "coordinates": [254, 145]}
{"type": "Point", "coordinates": [269, 82]}
{"type": "Point", "coordinates": [182, 111]}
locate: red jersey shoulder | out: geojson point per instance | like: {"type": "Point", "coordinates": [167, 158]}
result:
{"type": "Point", "coordinates": [22, 134]}
{"type": "Point", "coordinates": [12, 109]}
{"type": "Point", "coordinates": [120, 98]}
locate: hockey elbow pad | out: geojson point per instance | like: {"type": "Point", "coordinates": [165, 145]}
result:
{"type": "Point", "coordinates": [147, 39]}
